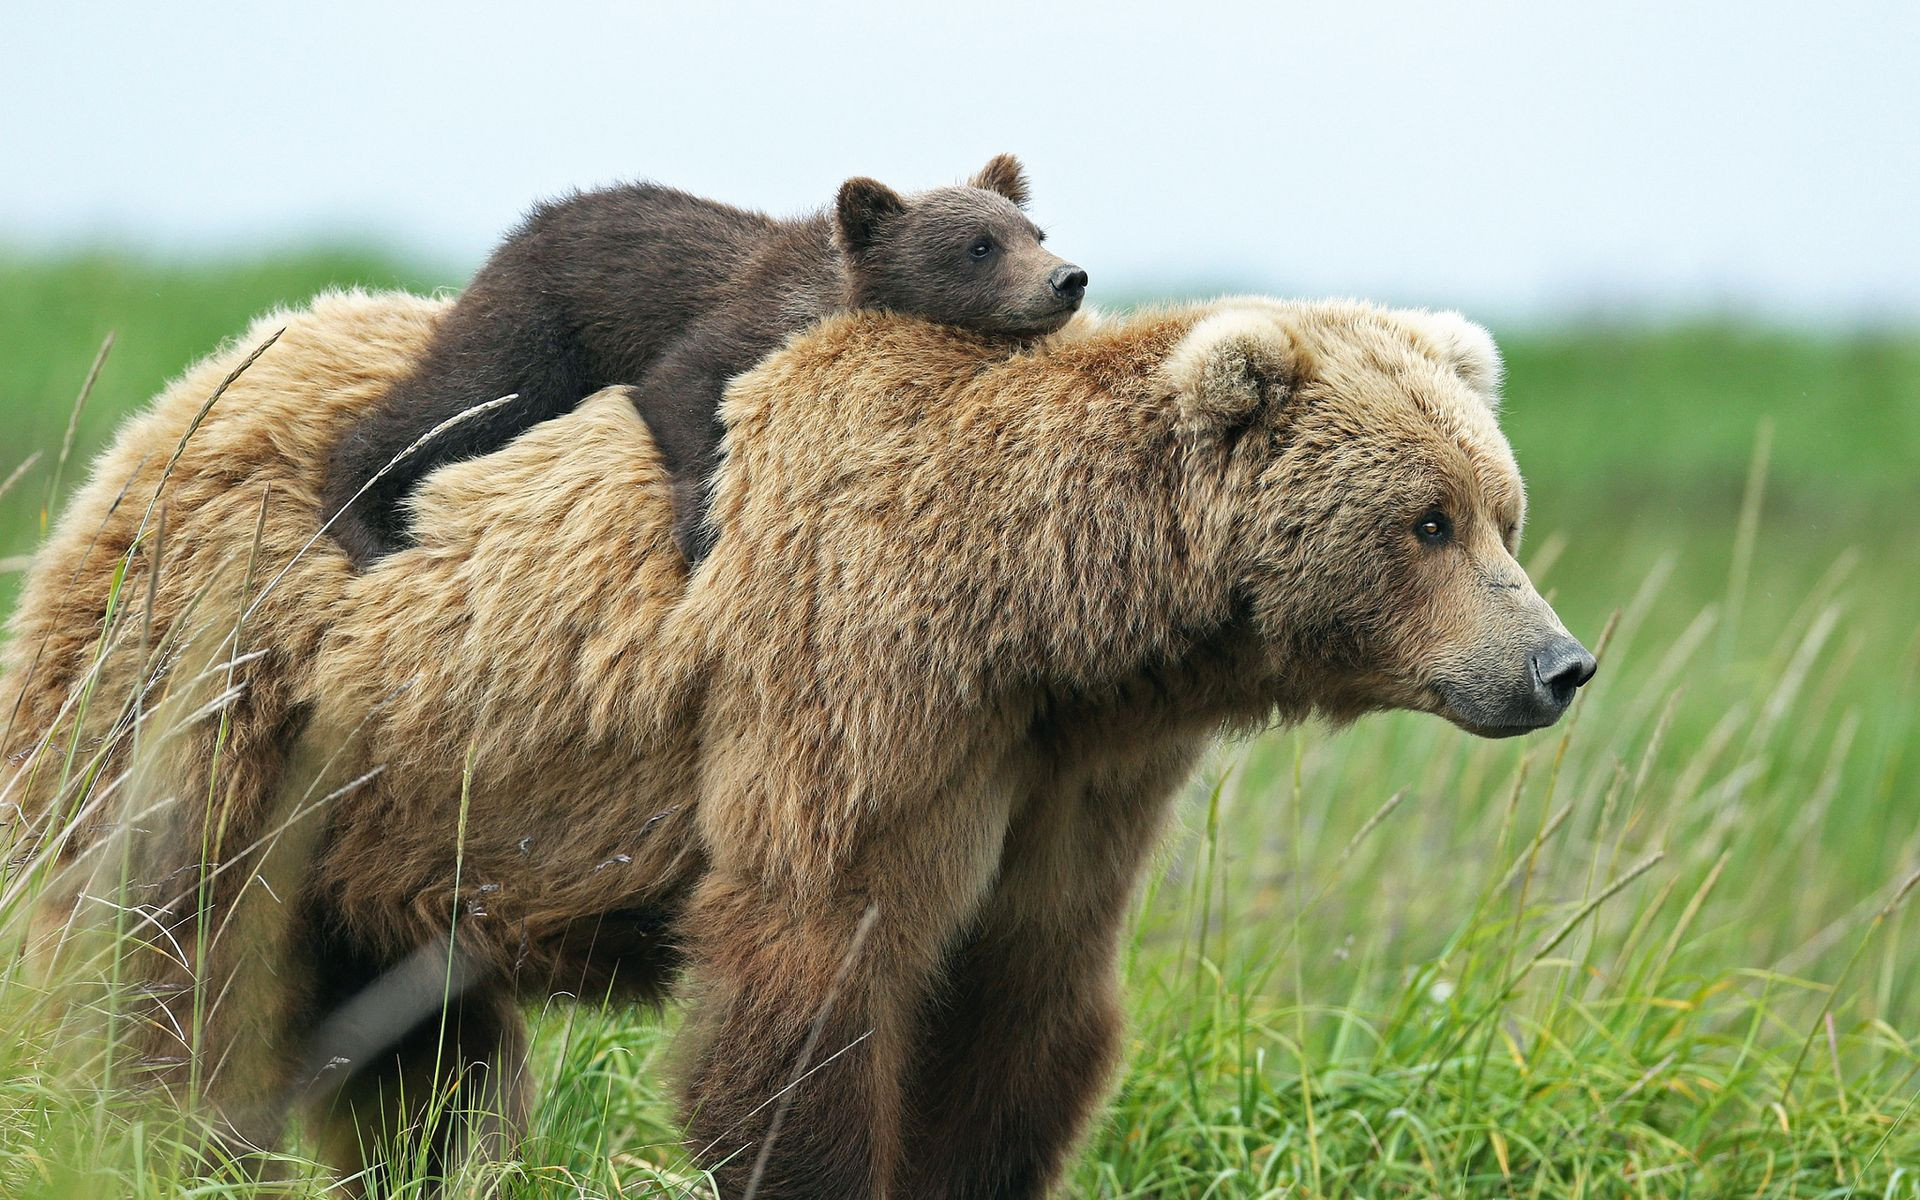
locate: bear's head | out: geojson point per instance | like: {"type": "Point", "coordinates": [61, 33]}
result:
{"type": "Point", "coordinates": [1372, 511]}
{"type": "Point", "coordinates": [964, 255]}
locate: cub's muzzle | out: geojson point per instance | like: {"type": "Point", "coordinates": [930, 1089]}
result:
{"type": "Point", "coordinates": [1069, 282]}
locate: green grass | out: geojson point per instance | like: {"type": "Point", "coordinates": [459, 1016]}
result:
{"type": "Point", "coordinates": [55, 314]}
{"type": "Point", "coordinates": [1390, 960]}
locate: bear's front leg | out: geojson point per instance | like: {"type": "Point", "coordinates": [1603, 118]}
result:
{"type": "Point", "coordinates": [1019, 1046]}
{"type": "Point", "coordinates": [810, 981]}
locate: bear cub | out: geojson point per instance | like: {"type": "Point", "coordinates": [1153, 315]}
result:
{"type": "Point", "coordinates": [673, 295]}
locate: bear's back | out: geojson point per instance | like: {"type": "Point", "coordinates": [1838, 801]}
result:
{"type": "Point", "coordinates": [218, 486]}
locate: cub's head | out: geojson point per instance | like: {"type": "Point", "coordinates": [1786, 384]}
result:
{"type": "Point", "coordinates": [1372, 511]}
{"type": "Point", "coordinates": [963, 255]}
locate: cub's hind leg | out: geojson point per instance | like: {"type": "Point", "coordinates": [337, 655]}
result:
{"type": "Point", "coordinates": [481, 352]}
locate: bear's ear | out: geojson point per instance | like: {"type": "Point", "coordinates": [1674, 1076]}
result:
{"type": "Point", "coordinates": [863, 206]}
{"type": "Point", "coordinates": [1466, 347]}
{"type": "Point", "coordinates": [1003, 174]}
{"type": "Point", "coordinates": [1227, 366]}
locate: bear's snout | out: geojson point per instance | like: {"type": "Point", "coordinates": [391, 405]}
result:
{"type": "Point", "coordinates": [1525, 691]}
{"type": "Point", "coordinates": [1069, 282]}
{"type": "Point", "coordinates": [1560, 668]}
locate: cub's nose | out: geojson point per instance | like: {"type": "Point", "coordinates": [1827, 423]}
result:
{"type": "Point", "coordinates": [1560, 668]}
{"type": "Point", "coordinates": [1069, 282]}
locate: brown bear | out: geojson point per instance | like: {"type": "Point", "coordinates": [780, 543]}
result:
{"type": "Point", "coordinates": [675, 294]}
{"type": "Point", "coordinates": [872, 787]}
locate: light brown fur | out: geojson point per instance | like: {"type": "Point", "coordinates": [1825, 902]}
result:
{"type": "Point", "coordinates": [882, 773]}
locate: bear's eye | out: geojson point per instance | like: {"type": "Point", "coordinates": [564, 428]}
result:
{"type": "Point", "coordinates": [981, 247]}
{"type": "Point", "coordinates": [1433, 529]}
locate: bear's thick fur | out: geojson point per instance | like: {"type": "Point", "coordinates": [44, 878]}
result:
{"type": "Point", "coordinates": [674, 295]}
{"type": "Point", "coordinates": [880, 776]}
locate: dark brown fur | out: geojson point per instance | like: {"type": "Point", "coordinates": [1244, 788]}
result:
{"type": "Point", "coordinates": [672, 294]}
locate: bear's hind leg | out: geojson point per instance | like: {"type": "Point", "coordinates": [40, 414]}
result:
{"type": "Point", "coordinates": [452, 1091]}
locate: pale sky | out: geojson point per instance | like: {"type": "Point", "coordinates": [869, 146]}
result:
{"type": "Point", "coordinates": [1512, 159]}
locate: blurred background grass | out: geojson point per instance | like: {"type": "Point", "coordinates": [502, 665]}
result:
{"type": "Point", "coordinates": [1633, 414]}
{"type": "Point", "coordinates": [1636, 439]}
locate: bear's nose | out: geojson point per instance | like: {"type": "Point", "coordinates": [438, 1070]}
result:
{"type": "Point", "coordinates": [1562, 666]}
{"type": "Point", "coordinates": [1069, 282]}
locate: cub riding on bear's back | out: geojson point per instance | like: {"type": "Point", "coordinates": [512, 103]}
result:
{"type": "Point", "coordinates": [672, 294]}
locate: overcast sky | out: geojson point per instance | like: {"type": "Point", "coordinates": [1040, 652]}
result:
{"type": "Point", "coordinates": [1514, 159]}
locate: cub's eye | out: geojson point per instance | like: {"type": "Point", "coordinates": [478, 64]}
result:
{"type": "Point", "coordinates": [980, 248]}
{"type": "Point", "coordinates": [1434, 529]}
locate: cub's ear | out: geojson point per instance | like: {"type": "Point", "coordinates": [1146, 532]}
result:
{"type": "Point", "coordinates": [1466, 347]}
{"type": "Point", "coordinates": [1004, 174]}
{"type": "Point", "coordinates": [1227, 366]}
{"type": "Point", "coordinates": [862, 207]}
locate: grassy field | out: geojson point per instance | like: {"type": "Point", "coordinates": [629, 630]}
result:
{"type": "Point", "coordinates": [1659, 951]}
